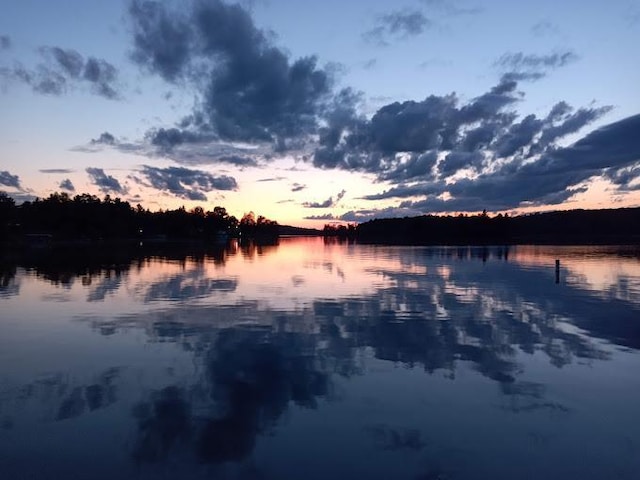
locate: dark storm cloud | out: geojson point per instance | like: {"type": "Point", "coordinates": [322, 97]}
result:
{"type": "Point", "coordinates": [5, 42]}
{"type": "Point", "coordinates": [514, 161]}
{"type": "Point", "coordinates": [419, 128]}
{"type": "Point", "coordinates": [66, 184]}
{"type": "Point", "coordinates": [455, 161]}
{"type": "Point", "coordinates": [568, 122]}
{"type": "Point", "coordinates": [413, 190]}
{"type": "Point", "coordinates": [238, 160]}
{"type": "Point", "coordinates": [167, 139]}
{"type": "Point", "coordinates": [626, 178]}
{"type": "Point", "coordinates": [186, 183]}
{"type": "Point", "coordinates": [518, 136]}
{"type": "Point", "coordinates": [56, 170]}
{"type": "Point", "coordinates": [64, 69]}
{"type": "Point", "coordinates": [397, 24]}
{"type": "Point", "coordinates": [553, 178]}
{"type": "Point", "coordinates": [328, 203]}
{"type": "Point", "coordinates": [105, 182]}
{"type": "Point", "coordinates": [9, 180]}
{"type": "Point", "coordinates": [249, 89]}
{"type": "Point", "coordinates": [162, 40]}
{"type": "Point", "coordinates": [615, 145]}
{"type": "Point", "coordinates": [253, 100]}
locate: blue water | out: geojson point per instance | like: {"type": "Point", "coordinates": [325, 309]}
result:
{"type": "Point", "coordinates": [311, 360]}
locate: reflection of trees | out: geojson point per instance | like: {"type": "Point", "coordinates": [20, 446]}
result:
{"type": "Point", "coordinates": [8, 284]}
{"type": "Point", "coordinates": [108, 264]}
{"type": "Point", "coordinates": [252, 248]}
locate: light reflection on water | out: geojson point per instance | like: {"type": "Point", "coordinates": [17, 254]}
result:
{"type": "Point", "coordinates": [321, 359]}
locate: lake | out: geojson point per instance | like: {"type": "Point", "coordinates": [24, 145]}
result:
{"type": "Point", "coordinates": [318, 359]}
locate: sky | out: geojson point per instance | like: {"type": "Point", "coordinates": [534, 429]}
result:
{"type": "Point", "coordinates": [317, 112]}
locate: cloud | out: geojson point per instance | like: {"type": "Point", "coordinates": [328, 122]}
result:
{"type": "Point", "coordinates": [249, 89]}
{"type": "Point", "coordinates": [167, 139]}
{"type": "Point", "coordinates": [9, 180]}
{"type": "Point", "coordinates": [402, 139]}
{"type": "Point", "coordinates": [519, 66]}
{"type": "Point", "coordinates": [326, 216]}
{"type": "Point", "coordinates": [398, 24]}
{"type": "Point", "coordinates": [270, 179]}
{"type": "Point", "coordinates": [519, 60]}
{"type": "Point", "coordinates": [238, 160]}
{"type": "Point", "coordinates": [185, 183]}
{"type": "Point", "coordinates": [328, 203]}
{"type": "Point", "coordinates": [56, 170]}
{"type": "Point", "coordinates": [553, 178]}
{"type": "Point", "coordinates": [105, 138]}
{"type": "Point", "coordinates": [451, 8]}
{"type": "Point", "coordinates": [5, 42]}
{"type": "Point", "coordinates": [67, 185]}
{"type": "Point", "coordinates": [102, 76]}
{"type": "Point", "coordinates": [162, 40]}
{"type": "Point", "coordinates": [63, 69]}
{"type": "Point", "coordinates": [478, 154]}
{"type": "Point", "coordinates": [254, 100]}
{"type": "Point", "coordinates": [545, 28]}
{"type": "Point", "coordinates": [412, 190]}
{"type": "Point", "coordinates": [364, 215]}
{"type": "Point", "coordinates": [370, 64]}
{"type": "Point", "coordinates": [297, 187]}
{"type": "Point", "coordinates": [106, 183]}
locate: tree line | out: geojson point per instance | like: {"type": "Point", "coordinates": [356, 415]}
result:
{"type": "Point", "coordinates": [620, 225]}
{"type": "Point", "coordinates": [88, 217]}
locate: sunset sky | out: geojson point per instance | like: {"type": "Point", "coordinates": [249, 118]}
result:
{"type": "Point", "coordinates": [309, 112]}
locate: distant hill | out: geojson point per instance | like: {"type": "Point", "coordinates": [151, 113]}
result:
{"type": "Point", "coordinates": [288, 231]}
{"type": "Point", "coordinates": [620, 225]}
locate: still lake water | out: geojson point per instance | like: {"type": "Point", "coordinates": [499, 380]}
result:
{"type": "Point", "coordinates": [323, 360]}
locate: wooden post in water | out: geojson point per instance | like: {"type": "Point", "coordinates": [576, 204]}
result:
{"type": "Point", "coordinates": [557, 271]}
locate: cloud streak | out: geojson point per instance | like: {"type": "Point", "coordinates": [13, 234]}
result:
{"type": "Point", "coordinates": [519, 66]}
{"type": "Point", "coordinates": [61, 70]}
{"type": "Point", "coordinates": [397, 24]}
{"type": "Point", "coordinates": [185, 183]}
{"type": "Point", "coordinates": [67, 185]}
{"type": "Point", "coordinates": [5, 42]}
{"type": "Point", "coordinates": [328, 203]}
{"type": "Point", "coordinates": [9, 180]}
{"type": "Point", "coordinates": [106, 183]}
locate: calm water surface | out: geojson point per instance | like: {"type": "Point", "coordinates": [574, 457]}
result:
{"type": "Point", "coordinates": [322, 360]}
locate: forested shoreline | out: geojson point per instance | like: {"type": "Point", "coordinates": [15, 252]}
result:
{"type": "Point", "coordinates": [87, 218]}
{"type": "Point", "coordinates": [571, 226]}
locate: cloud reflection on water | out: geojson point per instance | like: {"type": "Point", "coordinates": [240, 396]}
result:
{"type": "Point", "coordinates": [496, 311]}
